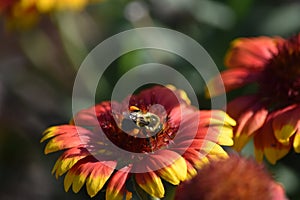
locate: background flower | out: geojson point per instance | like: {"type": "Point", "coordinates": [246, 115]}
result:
{"type": "Point", "coordinates": [184, 141]}
{"type": "Point", "coordinates": [231, 178]}
{"type": "Point", "coordinates": [22, 14]}
{"type": "Point", "coordinates": [270, 114]}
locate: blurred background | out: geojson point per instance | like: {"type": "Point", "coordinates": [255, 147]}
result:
{"type": "Point", "coordinates": [42, 49]}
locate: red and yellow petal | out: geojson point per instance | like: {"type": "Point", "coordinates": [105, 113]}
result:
{"type": "Point", "coordinates": [252, 121]}
{"type": "Point", "coordinates": [66, 130]}
{"type": "Point", "coordinates": [251, 53]}
{"type": "Point", "coordinates": [57, 130]}
{"type": "Point", "coordinates": [191, 171]}
{"type": "Point", "coordinates": [194, 157]}
{"type": "Point", "coordinates": [219, 134]}
{"type": "Point", "coordinates": [212, 125]}
{"type": "Point", "coordinates": [64, 137]}
{"type": "Point", "coordinates": [116, 187]}
{"type": "Point", "coordinates": [169, 165]}
{"type": "Point", "coordinates": [151, 183]}
{"type": "Point", "coordinates": [77, 175]}
{"type": "Point", "coordinates": [99, 176]}
{"type": "Point", "coordinates": [209, 147]}
{"type": "Point", "coordinates": [249, 122]}
{"type": "Point", "coordinates": [213, 150]}
{"type": "Point", "coordinates": [229, 80]}
{"type": "Point", "coordinates": [62, 142]}
{"type": "Point", "coordinates": [215, 117]}
{"type": "Point", "coordinates": [285, 123]}
{"type": "Point", "coordinates": [267, 145]}
{"type": "Point", "coordinates": [208, 150]}
{"type": "Point", "coordinates": [68, 159]}
{"type": "Point", "coordinates": [90, 171]}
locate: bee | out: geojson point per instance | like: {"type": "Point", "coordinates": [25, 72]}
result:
{"type": "Point", "coordinates": [149, 121]}
{"type": "Point", "coordinates": [148, 124]}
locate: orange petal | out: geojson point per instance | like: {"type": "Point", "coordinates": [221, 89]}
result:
{"type": "Point", "coordinates": [256, 120]}
{"type": "Point", "coordinates": [229, 80]}
{"type": "Point", "coordinates": [248, 122]}
{"type": "Point", "coordinates": [251, 53]}
{"type": "Point", "coordinates": [237, 106]}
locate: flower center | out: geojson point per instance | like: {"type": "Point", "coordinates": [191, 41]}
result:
{"type": "Point", "coordinates": [142, 131]}
{"type": "Point", "coordinates": [280, 83]}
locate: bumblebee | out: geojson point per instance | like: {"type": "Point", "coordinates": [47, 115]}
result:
{"type": "Point", "coordinates": [148, 121]}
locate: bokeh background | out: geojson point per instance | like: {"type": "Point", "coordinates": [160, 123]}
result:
{"type": "Point", "coordinates": [38, 65]}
